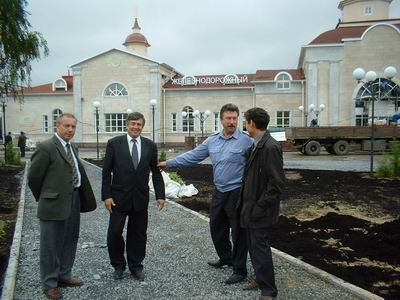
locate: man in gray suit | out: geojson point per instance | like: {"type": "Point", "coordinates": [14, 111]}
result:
{"type": "Point", "coordinates": [59, 183]}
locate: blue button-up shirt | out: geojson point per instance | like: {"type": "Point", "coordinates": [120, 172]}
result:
{"type": "Point", "coordinates": [227, 157]}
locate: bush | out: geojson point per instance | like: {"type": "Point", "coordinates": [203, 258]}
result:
{"type": "Point", "coordinates": [12, 157]}
{"type": "Point", "coordinates": [390, 166]}
{"type": "Point", "coordinates": [3, 227]}
{"type": "Point", "coordinates": [175, 177]}
{"type": "Point", "coordinates": [163, 156]}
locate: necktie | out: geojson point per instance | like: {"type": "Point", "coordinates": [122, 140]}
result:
{"type": "Point", "coordinates": [135, 156]}
{"type": "Point", "coordinates": [75, 177]}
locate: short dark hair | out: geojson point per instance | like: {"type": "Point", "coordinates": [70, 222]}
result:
{"type": "Point", "coordinates": [135, 116]}
{"type": "Point", "coordinates": [228, 107]}
{"type": "Point", "coordinates": [259, 116]}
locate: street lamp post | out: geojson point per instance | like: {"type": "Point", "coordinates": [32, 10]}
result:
{"type": "Point", "coordinates": [3, 103]}
{"type": "Point", "coordinates": [96, 105]}
{"type": "Point", "coordinates": [202, 117]}
{"type": "Point", "coordinates": [311, 108]}
{"type": "Point", "coordinates": [368, 80]}
{"type": "Point", "coordinates": [153, 103]}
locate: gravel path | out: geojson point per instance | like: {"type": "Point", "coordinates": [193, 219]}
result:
{"type": "Point", "coordinates": [175, 266]}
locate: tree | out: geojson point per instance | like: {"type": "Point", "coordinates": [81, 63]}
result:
{"type": "Point", "coordinates": [18, 47]}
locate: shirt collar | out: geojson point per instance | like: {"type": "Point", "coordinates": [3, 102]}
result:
{"type": "Point", "coordinates": [129, 138]}
{"type": "Point", "coordinates": [258, 138]}
{"type": "Point", "coordinates": [235, 135]}
{"type": "Point", "coordinates": [64, 143]}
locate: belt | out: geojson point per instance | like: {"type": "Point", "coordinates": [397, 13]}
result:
{"type": "Point", "coordinates": [75, 189]}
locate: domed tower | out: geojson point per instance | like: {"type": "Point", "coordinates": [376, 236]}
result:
{"type": "Point", "coordinates": [136, 42]}
{"type": "Point", "coordinates": [364, 10]}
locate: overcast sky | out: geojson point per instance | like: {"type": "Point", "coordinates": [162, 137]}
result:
{"type": "Point", "coordinates": [194, 37]}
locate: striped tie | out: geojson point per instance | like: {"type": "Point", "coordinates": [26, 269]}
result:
{"type": "Point", "coordinates": [135, 156]}
{"type": "Point", "coordinates": [75, 177]}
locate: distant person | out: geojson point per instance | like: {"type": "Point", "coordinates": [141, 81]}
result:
{"type": "Point", "coordinates": [8, 139]}
{"type": "Point", "coordinates": [22, 143]}
{"type": "Point", "coordinates": [59, 183]}
{"type": "Point", "coordinates": [314, 123]}
{"type": "Point", "coordinates": [127, 164]}
{"type": "Point", "coordinates": [259, 203]}
{"type": "Point", "coordinates": [227, 151]}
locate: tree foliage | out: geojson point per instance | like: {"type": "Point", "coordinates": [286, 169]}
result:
{"type": "Point", "coordinates": [18, 47]}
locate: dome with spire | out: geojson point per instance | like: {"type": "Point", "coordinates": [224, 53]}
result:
{"type": "Point", "coordinates": [136, 36]}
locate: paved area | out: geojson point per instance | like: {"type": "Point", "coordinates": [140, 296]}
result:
{"type": "Point", "coordinates": [175, 266]}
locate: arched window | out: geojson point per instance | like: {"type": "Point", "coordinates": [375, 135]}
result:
{"type": "Point", "coordinates": [231, 79]}
{"type": "Point", "coordinates": [56, 113]}
{"type": "Point", "coordinates": [283, 80]}
{"type": "Point", "coordinates": [60, 84]}
{"type": "Point", "coordinates": [115, 90]}
{"type": "Point", "coordinates": [187, 120]}
{"type": "Point", "coordinates": [189, 80]}
{"type": "Point", "coordinates": [386, 91]}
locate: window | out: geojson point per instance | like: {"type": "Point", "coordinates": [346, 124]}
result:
{"type": "Point", "coordinates": [243, 122]}
{"type": "Point", "coordinates": [56, 113]}
{"type": "Point", "coordinates": [173, 115]}
{"type": "Point", "coordinates": [189, 80]}
{"type": "Point", "coordinates": [282, 118]}
{"type": "Point", "coordinates": [60, 84]}
{"type": "Point", "coordinates": [216, 121]}
{"type": "Point", "coordinates": [188, 119]}
{"type": "Point", "coordinates": [115, 122]}
{"type": "Point", "coordinates": [362, 120]}
{"type": "Point", "coordinates": [45, 123]}
{"type": "Point", "coordinates": [115, 90]}
{"type": "Point", "coordinates": [368, 10]}
{"type": "Point", "coordinates": [231, 79]}
{"type": "Point", "coordinates": [283, 81]}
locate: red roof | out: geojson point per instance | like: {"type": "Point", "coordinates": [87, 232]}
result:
{"type": "Point", "coordinates": [137, 38]}
{"type": "Point", "coordinates": [297, 74]}
{"type": "Point", "coordinates": [48, 88]}
{"type": "Point", "coordinates": [336, 36]}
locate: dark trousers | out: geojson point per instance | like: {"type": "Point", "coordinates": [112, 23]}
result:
{"type": "Point", "coordinates": [261, 258]}
{"type": "Point", "coordinates": [136, 238]}
{"type": "Point", "coordinates": [22, 150]}
{"type": "Point", "coordinates": [58, 243]}
{"type": "Point", "coordinates": [223, 217]}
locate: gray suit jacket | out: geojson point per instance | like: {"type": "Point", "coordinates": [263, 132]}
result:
{"type": "Point", "coordinates": [50, 179]}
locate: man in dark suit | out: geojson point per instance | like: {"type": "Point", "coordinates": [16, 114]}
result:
{"type": "Point", "coordinates": [262, 186]}
{"type": "Point", "coordinates": [59, 183]}
{"type": "Point", "coordinates": [125, 191]}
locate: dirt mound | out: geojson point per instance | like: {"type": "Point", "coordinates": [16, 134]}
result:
{"type": "Point", "coordinates": [345, 223]}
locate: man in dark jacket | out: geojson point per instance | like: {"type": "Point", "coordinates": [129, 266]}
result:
{"type": "Point", "coordinates": [59, 183]}
{"type": "Point", "coordinates": [262, 186]}
{"type": "Point", "coordinates": [125, 192]}
{"type": "Point", "coordinates": [22, 143]}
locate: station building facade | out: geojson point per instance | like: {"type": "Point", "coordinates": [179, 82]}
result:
{"type": "Point", "coordinates": [124, 80]}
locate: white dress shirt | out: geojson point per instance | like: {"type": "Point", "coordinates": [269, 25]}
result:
{"type": "Point", "coordinates": [138, 145]}
{"type": "Point", "coordinates": [64, 143]}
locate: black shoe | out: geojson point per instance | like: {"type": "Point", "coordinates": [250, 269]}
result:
{"type": "Point", "coordinates": [118, 274]}
{"type": "Point", "coordinates": [219, 263]}
{"type": "Point", "coordinates": [138, 275]}
{"type": "Point", "coordinates": [235, 278]}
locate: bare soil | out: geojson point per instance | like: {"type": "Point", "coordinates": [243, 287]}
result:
{"type": "Point", "coordinates": [345, 223]}
{"type": "Point", "coordinates": [9, 198]}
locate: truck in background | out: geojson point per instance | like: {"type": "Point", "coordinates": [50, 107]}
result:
{"type": "Point", "coordinates": [341, 139]}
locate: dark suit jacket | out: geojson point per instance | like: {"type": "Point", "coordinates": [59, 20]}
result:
{"type": "Point", "coordinates": [50, 179]}
{"type": "Point", "coordinates": [262, 185]}
{"type": "Point", "coordinates": [129, 187]}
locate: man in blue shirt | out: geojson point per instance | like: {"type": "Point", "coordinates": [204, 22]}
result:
{"type": "Point", "coordinates": [227, 151]}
